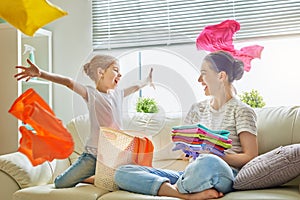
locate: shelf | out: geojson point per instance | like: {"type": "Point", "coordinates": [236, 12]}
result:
{"type": "Point", "coordinates": [36, 81]}
{"type": "Point", "coordinates": [12, 54]}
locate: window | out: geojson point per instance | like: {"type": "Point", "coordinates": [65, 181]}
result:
{"type": "Point", "coordinates": [136, 23]}
{"type": "Point", "coordinates": [175, 79]}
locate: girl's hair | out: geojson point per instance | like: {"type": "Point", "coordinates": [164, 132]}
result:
{"type": "Point", "coordinates": [98, 61]}
{"type": "Point", "coordinates": [223, 61]}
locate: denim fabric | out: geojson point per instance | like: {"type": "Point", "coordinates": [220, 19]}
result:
{"type": "Point", "coordinates": [207, 171]}
{"type": "Point", "coordinates": [144, 180]}
{"type": "Point", "coordinates": [81, 169]}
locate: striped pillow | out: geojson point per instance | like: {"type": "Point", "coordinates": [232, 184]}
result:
{"type": "Point", "coordinates": [271, 169]}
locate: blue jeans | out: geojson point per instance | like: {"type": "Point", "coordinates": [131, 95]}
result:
{"type": "Point", "coordinates": [207, 171]}
{"type": "Point", "coordinates": [81, 169]}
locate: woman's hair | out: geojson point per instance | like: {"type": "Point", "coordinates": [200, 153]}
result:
{"type": "Point", "coordinates": [223, 61]}
{"type": "Point", "coordinates": [98, 61]}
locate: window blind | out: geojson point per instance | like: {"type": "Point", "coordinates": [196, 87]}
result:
{"type": "Point", "coordinates": [136, 23]}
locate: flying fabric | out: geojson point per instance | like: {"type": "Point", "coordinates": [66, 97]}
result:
{"type": "Point", "coordinates": [29, 15]}
{"type": "Point", "coordinates": [50, 139]}
{"type": "Point", "coordinates": [220, 37]}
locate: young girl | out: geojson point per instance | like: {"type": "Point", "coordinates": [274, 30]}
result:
{"type": "Point", "coordinates": [104, 102]}
{"type": "Point", "coordinates": [209, 176]}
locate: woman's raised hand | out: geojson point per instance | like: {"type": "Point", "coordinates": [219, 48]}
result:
{"type": "Point", "coordinates": [28, 72]}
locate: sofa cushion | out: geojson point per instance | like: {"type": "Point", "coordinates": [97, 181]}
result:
{"type": "Point", "coordinates": [81, 191]}
{"type": "Point", "coordinates": [271, 169]}
{"type": "Point", "coordinates": [79, 127]}
{"type": "Point", "coordinates": [18, 166]}
{"type": "Point", "coordinates": [281, 123]}
{"type": "Point", "coordinates": [287, 192]}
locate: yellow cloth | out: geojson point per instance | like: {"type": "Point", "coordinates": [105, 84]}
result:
{"type": "Point", "coordinates": [29, 15]}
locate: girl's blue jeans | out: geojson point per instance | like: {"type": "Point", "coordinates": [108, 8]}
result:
{"type": "Point", "coordinates": [207, 171]}
{"type": "Point", "coordinates": [81, 169]}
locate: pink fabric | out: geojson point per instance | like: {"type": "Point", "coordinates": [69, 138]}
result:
{"type": "Point", "coordinates": [220, 37]}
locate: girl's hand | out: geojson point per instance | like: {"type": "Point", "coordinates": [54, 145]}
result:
{"type": "Point", "coordinates": [149, 79]}
{"type": "Point", "coordinates": [28, 72]}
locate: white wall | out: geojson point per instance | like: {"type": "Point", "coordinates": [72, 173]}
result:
{"type": "Point", "coordinates": [275, 75]}
{"type": "Point", "coordinates": [71, 46]}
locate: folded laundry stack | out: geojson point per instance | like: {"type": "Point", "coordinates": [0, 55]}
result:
{"type": "Point", "coordinates": [194, 139]}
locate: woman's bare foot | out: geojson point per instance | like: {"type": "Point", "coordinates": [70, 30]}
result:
{"type": "Point", "coordinates": [206, 194]}
{"type": "Point", "coordinates": [166, 189]}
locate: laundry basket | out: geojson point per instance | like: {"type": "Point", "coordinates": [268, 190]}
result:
{"type": "Point", "coordinates": [116, 148]}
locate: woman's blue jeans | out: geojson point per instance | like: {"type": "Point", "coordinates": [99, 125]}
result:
{"type": "Point", "coordinates": [81, 169]}
{"type": "Point", "coordinates": [207, 171]}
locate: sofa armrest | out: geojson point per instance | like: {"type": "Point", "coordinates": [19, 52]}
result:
{"type": "Point", "coordinates": [17, 167]}
{"type": "Point", "coordinates": [8, 186]}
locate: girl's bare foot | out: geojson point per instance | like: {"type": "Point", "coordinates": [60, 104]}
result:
{"type": "Point", "coordinates": [89, 180]}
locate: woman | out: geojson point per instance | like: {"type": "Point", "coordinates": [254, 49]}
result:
{"type": "Point", "coordinates": [209, 176]}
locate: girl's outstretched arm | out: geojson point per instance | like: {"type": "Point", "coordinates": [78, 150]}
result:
{"type": "Point", "coordinates": [34, 71]}
{"type": "Point", "coordinates": [140, 85]}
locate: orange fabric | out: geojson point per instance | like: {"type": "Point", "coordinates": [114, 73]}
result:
{"type": "Point", "coordinates": [142, 151]}
{"type": "Point", "coordinates": [28, 97]}
{"type": "Point", "coordinates": [51, 140]}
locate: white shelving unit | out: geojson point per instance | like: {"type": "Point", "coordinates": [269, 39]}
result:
{"type": "Point", "coordinates": [11, 54]}
{"type": "Point", "coordinates": [42, 42]}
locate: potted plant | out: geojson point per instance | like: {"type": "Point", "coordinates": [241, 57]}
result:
{"type": "Point", "coordinates": [146, 105]}
{"type": "Point", "coordinates": [253, 99]}
{"type": "Point", "coordinates": [149, 118]}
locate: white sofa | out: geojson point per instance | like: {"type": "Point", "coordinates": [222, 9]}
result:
{"type": "Point", "coordinates": [21, 181]}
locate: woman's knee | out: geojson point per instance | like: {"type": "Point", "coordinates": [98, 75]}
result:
{"type": "Point", "coordinates": [207, 171]}
{"type": "Point", "coordinates": [218, 172]}
{"type": "Point", "coordinates": [211, 164]}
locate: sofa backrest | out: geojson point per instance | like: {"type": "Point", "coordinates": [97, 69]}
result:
{"type": "Point", "coordinates": [79, 127]}
{"type": "Point", "coordinates": [277, 126]}
{"type": "Point", "coordinates": [157, 127]}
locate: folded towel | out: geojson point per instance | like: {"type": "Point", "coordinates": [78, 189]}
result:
{"type": "Point", "coordinates": [203, 133]}
{"type": "Point", "coordinates": [224, 133]}
{"type": "Point", "coordinates": [212, 140]}
{"type": "Point", "coordinates": [195, 150]}
{"type": "Point", "coordinates": [203, 143]}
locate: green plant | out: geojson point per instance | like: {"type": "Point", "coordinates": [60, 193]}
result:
{"type": "Point", "coordinates": [146, 105]}
{"type": "Point", "coordinates": [253, 99]}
